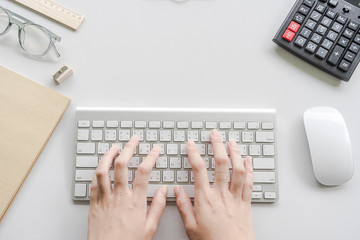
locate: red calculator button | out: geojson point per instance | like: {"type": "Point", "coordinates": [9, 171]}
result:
{"type": "Point", "coordinates": [288, 35]}
{"type": "Point", "coordinates": [293, 26]}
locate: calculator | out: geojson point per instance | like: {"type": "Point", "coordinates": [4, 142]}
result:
{"type": "Point", "coordinates": [325, 33]}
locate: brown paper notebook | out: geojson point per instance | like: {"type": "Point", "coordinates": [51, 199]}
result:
{"type": "Point", "coordinates": [29, 113]}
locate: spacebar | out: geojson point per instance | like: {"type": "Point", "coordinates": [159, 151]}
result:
{"type": "Point", "coordinates": [153, 187]}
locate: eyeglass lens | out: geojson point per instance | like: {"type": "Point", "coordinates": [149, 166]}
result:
{"type": "Point", "coordinates": [34, 40]}
{"type": "Point", "coordinates": [4, 20]}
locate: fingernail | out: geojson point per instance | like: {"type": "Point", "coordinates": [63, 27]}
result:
{"type": "Point", "coordinates": [191, 142]}
{"type": "Point", "coordinates": [215, 133]}
{"type": "Point", "coordinates": [233, 143]}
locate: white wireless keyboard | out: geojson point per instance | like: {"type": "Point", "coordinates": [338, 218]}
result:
{"type": "Point", "coordinates": [99, 128]}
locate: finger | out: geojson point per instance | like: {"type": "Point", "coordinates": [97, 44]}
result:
{"type": "Point", "coordinates": [221, 161]}
{"type": "Point", "coordinates": [143, 172]}
{"type": "Point", "coordinates": [248, 185]}
{"type": "Point", "coordinates": [156, 209]}
{"type": "Point", "coordinates": [102, 172]}
{"type": "Point", "coordinates": [201, 179]}
{"type": "Point", "coordinates": [121, 165]}
{"type": "Point", "coordinates": [238, 169]}
{"type": "Point", "coordinates": [94, 194]}
{"type": "Point", "coordinates": [185, 208]}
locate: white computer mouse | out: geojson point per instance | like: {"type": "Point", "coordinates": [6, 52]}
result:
{"type": "Point", "coordinates": [330, 145]}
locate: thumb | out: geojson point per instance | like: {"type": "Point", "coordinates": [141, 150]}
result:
{"type": "Point", "coordinates": [156, 209]}
{"type": "Point", "coordinates": [185, 208]}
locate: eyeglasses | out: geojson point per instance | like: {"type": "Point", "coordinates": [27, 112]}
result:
{"type": "Point", "coordinates": [34, 39]}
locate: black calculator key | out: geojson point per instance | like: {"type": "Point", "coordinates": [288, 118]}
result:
{"type": "Point", "coordinates": [353, 25]}
{"type": "Point", "coordinates": [332, 35]}
{"type": "Point", "coordinates": [309, 3]}
{"type": "Point", "coordinates": [333, 3]}
{"type": "Point", "coordinates": [305, 32]}
{"type": "Point", "coordinates": [348, 33]}
{"type": "Point", "coordinates": [354, 48]}
{"type": "Point", "coordinates": [315, 16]}
{"type": "Point", "coordinates": [326, 21]}
{"type": "Point", "coordinates": [304, 10]}
{"type": "Point", "coordinates": [300, 41]}
{"type": "Point", "coordinates": [344, 42]}
{"type": "Point", "coordinates": [299, 18]}
{"type": "Point", "coordinates": [321, 29]}
{"type": "Point", "coordinates": [337, 27]}
{"type": "Point", "coordinates": [344, 65]}
{"type": "Point", "coordinates": [320, 8]}
{"type": "Point", "coordinates": [341, 19]}
{"type": "Point", "coordinates": [310, 24]}
{"type": "Point", "coordinates": [331, 14]}
{"type": "Point", "coordinates": [357, 38]}
{"type": "Point", "coordinates": [321, 53]}
{"type": "Point", "coordinates": [335, 55]}
{"type": "Point", "coordinates": [349, 56]}
{"type": "Point", "coordinates": [316, 38]}
{"type": "Point", "coordinates": [327, 44]}
{"type": "Point", "coordinates": [310, 47]}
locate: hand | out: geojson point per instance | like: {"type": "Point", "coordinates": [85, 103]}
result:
{"type": "Point", "coordinates": [120, 213]}
{"type": "Point", "coordinates": [221, 211]}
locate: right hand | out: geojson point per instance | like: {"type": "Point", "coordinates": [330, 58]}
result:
{"type": "Point", "coordinates": [222, 211]}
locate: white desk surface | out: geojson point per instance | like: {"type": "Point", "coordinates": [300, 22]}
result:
{"type": "Point", "coordinates": [202, 53]}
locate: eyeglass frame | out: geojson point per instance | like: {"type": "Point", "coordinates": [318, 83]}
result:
{"type": "Point", "coordinates": [22, 22]}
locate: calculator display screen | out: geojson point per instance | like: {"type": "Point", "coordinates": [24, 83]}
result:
{"type": "Point", "coordinates": [354, 2]}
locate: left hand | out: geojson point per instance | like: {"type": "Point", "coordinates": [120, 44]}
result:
{"type": "Point", "coordinates": [119, 212]}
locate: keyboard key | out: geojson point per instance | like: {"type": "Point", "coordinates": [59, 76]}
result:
{"type": "Point", "coordinates": [316, 38]}
{"type": "Point", "coordinates": [264, 177]}
{"type": "Point", "coordinates": [256, 195]}
{"type": "Point", "coordinates": [194, 135]}
{"type": "Point", "coordinates": [87, 161]}
{"type": "Point", "coordinates": [171, 149]}
{"type": "Point", "coordinates": [182, 125]}
{"type": "Point", "coordinates": [335, 55]}
{"type": "Point", "coordinates": [154, 176]}
{"type": "Point", "coordinates": [103, 148]}
{"type": "Point", "coordinates": [357, 38]}
{"type": "Point", "coordinates": [247, 137]}
{"type": "Point", "coordinates": [80, 190]}
{"type": "Point", "coordinates": [140, 124]}
{"type": "Point", "coordinates": [326, 44]}
{"type": "Point", "coordinates": [263, 163]}
{"type": "Point", "coordinates": [165, 136]}
{"type": "Point", "coordinates": [201, 148]}
{"type": "Point", "coordinates": [331, 13]}
{"type": "Point", "coordinates": [98, 124]}
{"type": "Point", "coordinates": [144, 148]}
{"type": "Point", "coordinates": [175, 162]}
{"type": "Point", "coordinates": [210, 125]}
{"type": "Point", "coordinates": [267, 125]}
{"type": "Point", "coordinates": [353, 25]}
{"type": "Point", "coordinates": [344, 65]}
{"type": "Point", "coordinates": [257, 188]}
{"type": "Point", "coordinates": [124, 135]}
{"type": "Point", "coordinates": [179, 136]}
{"type": "Point", "coordinates": [152, 188]}
{"type": "Point", "coordinates": [253, 125]}
{"type": "Point", "coordinates": [348, 33]}
{"type": "Point", "coordinates": [161, 146]}
{"type": "Point", "coordinates": [187, 164]}
{"type": "Point", "coordinates": [321, 29]}
{"type": "Point", "coordinates": [310, 24]}
{"type": "Point", "coordinates": [349, 56]}
{"type": "Point", "coordinates": [326, 21]}
{"type": "Point", "coordinates": [341, 19]}
{"type": "Point", "coordinates": [134, 162]}
{"type": "Point", "coordinates": [299, 18]}
{"type": "Point", "coordinates": [139, 133]}
{"type": "Point", "coordinates": [288, 35]}
{"type": "Point", "coordinates": [304, 10]}
{"type": "Point", "coordinates": [332, 35]}
{"type": "Point", "coordinates": [333, 4]}
{"type": "Point", "coordinates": [300, 41]}
{"type": "Point", "coordinates": [344, 42]}
{"type": "Point", "coordinates": [196, 125]}
{"type": "Point", "coordinates": [112, 124]}
{"type": "Point", "coordinates": [154, 124]}
{"type": "Point", "coordinates": [168, 176]}
{"type": "Point", "coordinates": [169, 124]}
{"type": "Point", "coordinates": [293, 26]}
{"type": "Point", "coordinates": [225, 125]}
{"type": "Point", "coordinates": [264, 137]}
{"type": "Point", "coordinates": [96, 135]}
{"type": "Point", "coordinates": [110, 135]}
{"type": "Point", "coordinates": [161, 162]}
{"type": "Point", "coordinates": [320, 8]}
{"type": "Point", "coordinates": [239, 125]}
{"type": "Point", "coordinates": [235, 135]}
{"type": "Point", "coordinates": [268, 150]}
{"type": "Point", "coordinates": [84, 175]}
{"type": "Point", "coordinates": [126, 124]}
{"type": "Point", "coordinates": [83, 135]}
{"type": "Point", "coordinates": [354, 48]}
{"type": "Point", "coordinates": [151, 135]}
{"type": "Point", "coordinates": [305, 32]}
{"type": "Point", "coordinates": [205, 136]}
{"type": "Point", "coordinates": [337, 27]}
{"type": "Point", "coordinates": [83, 123]}
{"type": "Point", "coordinates": [309, 3]}
{"type": "Point", "coordinates": [182, 176]}
{"type": "Point", "coordinates": [321, 53]}
{"type": "Point", "coordinates": [85, 148]}
{"type": "Point", "coordinates": [270, 195]}
{"type": "Point", "coordinates": [310, 47]}
{"type": "Point", "coordinates": [315, 16]}
{"type": "Point", "coordinates": [255, 150]}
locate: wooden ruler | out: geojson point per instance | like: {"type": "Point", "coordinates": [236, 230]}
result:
{"type": "Point", "coordinates": [55, 11]}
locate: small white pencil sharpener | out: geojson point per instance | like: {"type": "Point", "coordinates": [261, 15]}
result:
{"type": "Point", "coordinates": [62, 74]}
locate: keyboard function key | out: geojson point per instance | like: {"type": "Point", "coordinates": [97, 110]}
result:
{"type": "Point", "coordinates": [210, 125]}
{"type": "Point", "coordinates": [225, 125]}
{"type": "Point", "coordinates": [257, 188]}
{"type": "Point", "coordinates": [112, 124]}
{"type": "Point", "coordinates": [267, 125]}
{"type": "Point", "coordinates": [320, 8]}
{"type": "Point", "coordinates": [348, 33]}
{"type": "Point", "coordinates": [353, 25]}
{"type": "Point", "coordinates": [270, 195]}
{"type": "Point", "coordinates": [341, 19]}
{"type": "Point", "coordinates": [83, 123]}
{"type": "Point", "coordinates": [87, 161]}
{"type": "Point", "coordinates": [264, 163]}
{"type": "Point", "coordinates": [182, 125]}
{"type": "Point", "coordinates": [331, 14]}
{"type": "Point", "coordinates": [264, 177]}
{"type": "Point", "coordinates": [293, 26]}
{"type": "Point", "coordinates": [344, 65]}
{"type": "Point", "coordinates": [299, 18]}
{"type": "Point", "coordinates": [349, 56]}
{"type": "Point", "coordinates": [140, 124]}
{"type": "Point", "coordinates": [196, 125]}
{"type": "Point", "coordinates": [264, 137]}
{"type": "Point", "coordinates": [354, 47]}
{"type": "Point", "coordinates": [168, 124]}
{"type": "Point", "coordinates": [256, 195]}
{"type": "Point", "coordinates": [304, 10]}
{"type": "Point", "coordinates": [253, 125]}
{"type": "Point", "coordinates": [83, 134]}
{"type": "Point", "coordinates": [309, 3]}
{"type": "Point", "coordinates": [333, 3]}
{"type": "Point", "coordinates": [335, 55]}
{"type": "Point", "coordinates": [98, 124]}
{"type": "Point", "coordinates": [239, 125]}
{"type": "Point", "coordinates": [288, 35]}
{"type": "Point", "coordinates": [126, 124]}
{"type": "Point", "coordinates": [344, 42]}
{"type": "Point", "coordinates": [154, 124]}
